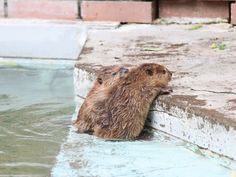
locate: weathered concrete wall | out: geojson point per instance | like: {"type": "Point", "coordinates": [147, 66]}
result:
{"type": "Point", "coordinates": [83, 82]}
{"type": "Point", "coordinates": [193, 128]}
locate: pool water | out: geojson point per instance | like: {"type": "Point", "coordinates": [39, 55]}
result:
{"type": "Point", "coordinates": [36, 106]}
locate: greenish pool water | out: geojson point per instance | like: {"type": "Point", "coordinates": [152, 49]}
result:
{"type": "Point", "coordinates": [36, 106]}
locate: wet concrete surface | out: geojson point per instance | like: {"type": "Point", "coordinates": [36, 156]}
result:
{"type": "Point", "coordinates": [204, 79]}
{"type": "Point", "coordinates": [158, 155]}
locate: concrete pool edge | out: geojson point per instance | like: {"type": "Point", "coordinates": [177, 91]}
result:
{"type": "Point", "coordinates": [184, 123]}
{"type": "Point", "coordinates": [42, 39]}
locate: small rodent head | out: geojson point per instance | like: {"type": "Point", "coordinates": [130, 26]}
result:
{"type": "Point", "coordinates": [157, 75]}
{"type": "Point", "coordinates": [109, 75]}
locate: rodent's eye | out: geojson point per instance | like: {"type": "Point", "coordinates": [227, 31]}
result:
{"type": "Point", "coordinates": [124, 70]}
{"type": "Point", "coordinates": [99, 80]}
{"type": "Point", "coordinates": [149, 72]}
{"type": "Point", "coordinates": [113, 74]}
{"type": "Point", "coordinates": [164, 71]}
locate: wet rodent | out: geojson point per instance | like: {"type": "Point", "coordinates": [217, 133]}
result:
{"type": "Point", "coordinates": [106, 77]}
{"type": "Point", "coordinates": [123, 112]}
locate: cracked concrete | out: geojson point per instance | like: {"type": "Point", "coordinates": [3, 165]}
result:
{"type": "Point", "coordinates": [204, 80]}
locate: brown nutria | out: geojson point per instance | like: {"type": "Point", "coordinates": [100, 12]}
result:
{"type": "Point", "coordinates": [123, 112]}
{"type": "Point", "coordinates": [106, 78]}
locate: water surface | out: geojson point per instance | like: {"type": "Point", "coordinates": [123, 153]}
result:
{"type": "Point", "coordinates": [36, 106]}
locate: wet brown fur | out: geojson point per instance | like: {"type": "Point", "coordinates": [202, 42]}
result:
{"type": "Point", "coordinates": [105, 79]}
{"type": "Point", "coordinates": [123, 112]}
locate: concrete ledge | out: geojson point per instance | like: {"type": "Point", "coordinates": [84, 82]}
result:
{"type": "Point", "coordinates": [122, 11]}
{"type": "Point", "coordinates": [45, 9]}
{"type": "Point", "coordinates": [233, 13]}
{"type": "Point", "coordinates": [1, 8]}
{"type": "Point", "coordinates": [201, 110]}
{"type": "Point", "coordinates": [212, 9]}
{"type": "Point", "coordinates": [25, 39]}
{"type": "Point", "coordinates": [199, 127]}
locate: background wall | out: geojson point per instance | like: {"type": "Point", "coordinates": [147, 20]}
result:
{"type": "Point", "coordinates": [140, 11]}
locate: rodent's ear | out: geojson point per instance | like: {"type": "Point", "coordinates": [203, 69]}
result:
{"type": "Point", "coordinates": [99, 80]}
{"type": "Point", "coordinates": [149, 71]}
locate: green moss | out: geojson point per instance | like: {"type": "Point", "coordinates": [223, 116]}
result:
{"type": "Point", "coordinates": [196, 27]}
{"type": "Point", "coordinates": [219, 46]}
